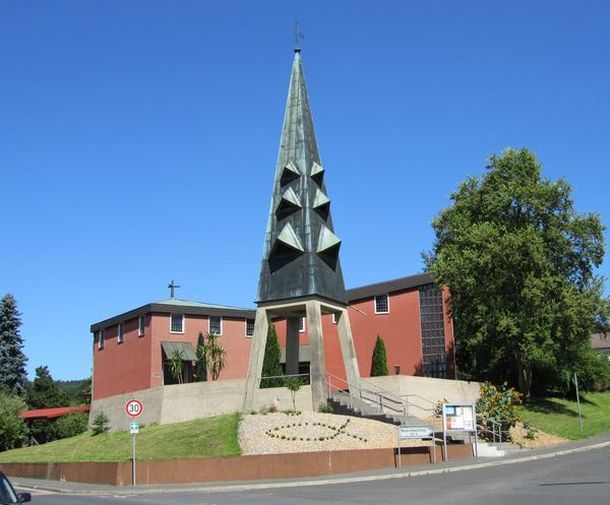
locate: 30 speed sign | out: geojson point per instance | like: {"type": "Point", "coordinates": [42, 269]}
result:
{"type": "Point", "coordinates": [133, 408]}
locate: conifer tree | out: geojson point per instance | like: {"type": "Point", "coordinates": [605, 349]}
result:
{"type": "Point", "coordinates": [44, 393]}
{"type": "Point", "coordinates": [379, 362]}
{"type": "Point", "coordinates": [271, 361]}
{"type": "Point", "coordinates": [12, 359]}
{"type": "Point", "coordinates": [202, 370]}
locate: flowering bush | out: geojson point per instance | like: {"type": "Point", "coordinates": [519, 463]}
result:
{"type": "Point", "coordinates": [499, 404]}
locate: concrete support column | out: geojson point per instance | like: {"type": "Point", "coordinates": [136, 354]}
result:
{"type": "Point", "coordinates": [257, 354]}
{"type": "Point", "coordinates": [316, 341]}
{"type": "Point", "coordinates": [347, 349]}
{"type": "Point", "coordinates": [292, 345]}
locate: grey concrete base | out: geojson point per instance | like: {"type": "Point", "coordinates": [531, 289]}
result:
{"type": "Point", "coordinates": [184, 402]}
{"type": "Point", "coordinates": [312, 309]}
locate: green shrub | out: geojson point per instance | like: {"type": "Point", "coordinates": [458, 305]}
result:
{"type": "Point", "coordinates": [498, 405]}
{"type": "Point", "coordinates": [71, 425]}
{"type": "Point", "coordinates": [100, 424]}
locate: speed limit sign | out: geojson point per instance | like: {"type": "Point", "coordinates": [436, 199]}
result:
{"type": "Point", "coordinates": [133, 408]}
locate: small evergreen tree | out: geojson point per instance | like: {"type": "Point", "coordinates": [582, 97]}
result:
{"type": "Point", "coordinates": [12, 359]}
{"type": "Point", "coordinates": [379, 362]}
{"type": "Point", "coordinates": [271, 361]}
{"type": "Point", "coordinates": [202, 371]}
{"type": "Point", "coordinates": [44, 393]}
{"type": "Point", "coordinates": [100, 424]}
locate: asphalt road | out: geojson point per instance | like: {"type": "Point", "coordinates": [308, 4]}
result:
{"type": "Point", "coordinates": [575, 479]}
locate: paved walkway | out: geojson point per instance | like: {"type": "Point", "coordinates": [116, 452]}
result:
{"type": "Point", "coordinates": [65, 487]}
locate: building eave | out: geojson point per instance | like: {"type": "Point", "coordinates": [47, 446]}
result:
{"type": "Point", "coordinates": [391, 286]}
{"type": "Point", "coordinates": [160, 308]}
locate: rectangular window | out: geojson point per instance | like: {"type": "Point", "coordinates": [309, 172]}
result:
{"type": "Point", "coordinates": [382, 304]}
{"type": "Point", "coordinates": [302, 325]}
{"type": "Point", "coordinates": [215, 325]}
{"type": "Point", "coordinates": [101, 336]}
{"type": "Point", "coordinates": [141, 326]}
{"type": "Point", "coordinates": [432, 332]}
{"type": "Point", "coordinates": [177, 323]}
{"type": "Point", "coordinates": [249, 327]}
{"type": "Point", "coordinates": [121, 333]}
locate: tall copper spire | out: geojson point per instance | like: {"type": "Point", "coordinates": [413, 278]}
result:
{"type": "Point", "coordinates": [300, 272]}
{"type": "Point", "coordinates": [301, 253]}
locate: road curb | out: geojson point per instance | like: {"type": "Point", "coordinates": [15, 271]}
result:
{"type": "Point", "coordinates": [254, 486]}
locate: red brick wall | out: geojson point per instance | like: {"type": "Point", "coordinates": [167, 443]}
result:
{"type": "Point", "coordinates": [137, 362]}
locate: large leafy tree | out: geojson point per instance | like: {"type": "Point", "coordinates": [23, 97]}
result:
{"type": "Point", "coordinates": [12, 359]}
{"type": "Point", "coordinates": [520, 263]}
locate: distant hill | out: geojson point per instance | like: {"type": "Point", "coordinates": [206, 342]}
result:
{"type": "Point", "coordinates": [77, 390]}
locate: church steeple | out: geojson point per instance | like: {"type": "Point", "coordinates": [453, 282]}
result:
{"type": "Point", "coordinates": [300, 272]}
{"type": "Point", "coordinates": [301, 253]}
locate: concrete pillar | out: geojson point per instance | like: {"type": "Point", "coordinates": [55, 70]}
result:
{"type": "Point", "coordinates": [350, 362]}
{"type": "Point", "coordinates": [257, 354]}
{"type": "Point", "coordinates": [316, 341]}
{"type": "Point", "coordinates": [292, 345]}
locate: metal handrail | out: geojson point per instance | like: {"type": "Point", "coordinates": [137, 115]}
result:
{"type": "Point", "coordinates": [496, 430]}
{"type": "Point", "coordinates": [385, 400]}
{"type": "Point", "coordinates": [405, 400]}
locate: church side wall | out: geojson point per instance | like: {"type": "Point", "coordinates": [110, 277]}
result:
{"type": "Point", "coordinates": [122, 367]}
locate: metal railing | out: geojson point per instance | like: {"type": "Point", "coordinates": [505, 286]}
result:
{"type": "Point", "coordinates": [384, 400]}
{"type": "Point", "coordinates": [495, 431]}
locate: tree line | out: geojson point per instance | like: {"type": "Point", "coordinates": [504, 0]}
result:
{"type": "Point", "coordinates": [17, 394]}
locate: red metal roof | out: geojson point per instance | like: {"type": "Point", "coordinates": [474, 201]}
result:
{"type": "Point", "coordinates": [53, 413]}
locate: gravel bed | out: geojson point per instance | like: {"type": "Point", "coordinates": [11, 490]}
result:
{"type": "Point", "coordinates": [282, 433]}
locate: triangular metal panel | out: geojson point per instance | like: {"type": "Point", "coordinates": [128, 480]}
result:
{"type": "Point", "coordinates": [290, 173]}
{"type": "Point", "coordinates": [290, 238]}
{"type": "Point", "coordinates": [317, 173]}
{"type": "Point", "coordinates": [327, 240]}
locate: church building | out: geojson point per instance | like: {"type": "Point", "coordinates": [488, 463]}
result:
{"type": "Point", "coordinates": [324, 329]}
{"type": "Point", "coordinates": [131, 350]}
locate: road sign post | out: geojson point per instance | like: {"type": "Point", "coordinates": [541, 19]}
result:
{"type": "Point", "coordinates": [133, 408]}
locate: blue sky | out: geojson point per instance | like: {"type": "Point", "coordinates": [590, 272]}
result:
{"type": "Point", "coordinates": [138, 139]}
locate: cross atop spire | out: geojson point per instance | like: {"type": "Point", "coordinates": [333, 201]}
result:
{"type": "Point", "coordinates": [298, 35]}
{"type": "Point", "coordinates": [172, 288]}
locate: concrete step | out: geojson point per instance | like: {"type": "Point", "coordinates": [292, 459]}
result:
{"type": "Point", "coordinates": [343, 403]}
{"type": "Point", "coordinates": [496, 450]}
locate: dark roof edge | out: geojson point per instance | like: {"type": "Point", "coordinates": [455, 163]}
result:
{"type": "Point", "coordinates": [168, 309]}
{"type": "Point", "coordinates": [382, 288]}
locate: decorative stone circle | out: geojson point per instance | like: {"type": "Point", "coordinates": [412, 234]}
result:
{"type": "Point", "coordinates": [321, 431]}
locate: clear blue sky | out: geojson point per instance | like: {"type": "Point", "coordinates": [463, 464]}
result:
{"type": "Point", "coordinates": [138, 139]}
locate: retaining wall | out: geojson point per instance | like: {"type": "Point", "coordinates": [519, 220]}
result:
{"type": "Point", "coordinates": [268, 466]}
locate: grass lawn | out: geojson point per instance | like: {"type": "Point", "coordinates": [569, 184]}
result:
{"type": "Point", "coordinates": [214, 436]}
{"type": "Point", "coordinates": [559, 416]}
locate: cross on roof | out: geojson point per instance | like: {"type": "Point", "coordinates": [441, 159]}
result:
{"type": "Point", "coordinates": [298, 34]}
{"type": "Point", "coordinates": [172, 288]}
